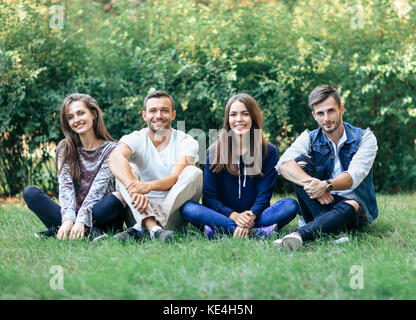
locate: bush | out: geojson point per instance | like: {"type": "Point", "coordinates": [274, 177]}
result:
{"type": "Point", "coordinates": [202, 53]}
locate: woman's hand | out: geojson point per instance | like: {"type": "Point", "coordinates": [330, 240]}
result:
{"type": "Point", "coordinates": [65, 228]}
{"type": "Point", "coordinates": [78, 231]}
{"type": "Point", "coordinates": [241, 232]}
{"type": "Point", "coordinates": [234, 216]}
{"type": "Point", "coordinates": [246, 219]}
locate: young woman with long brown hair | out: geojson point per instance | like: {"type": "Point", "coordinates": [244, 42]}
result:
{"type": "Point", "coordinates": [88, 202]}
{"type": "Point", "coordinates": [239, 178]}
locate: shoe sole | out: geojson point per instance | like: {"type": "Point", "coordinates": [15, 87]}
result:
{"type": "Point", "coordinates": [291, 243]}
{"type": "Point", "coordinates": [278, 243]}
{"type": "Point", "coordinates": [104, 236]}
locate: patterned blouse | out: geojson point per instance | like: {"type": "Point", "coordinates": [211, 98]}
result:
{"type": "Point", "coordinates": [78, 199]}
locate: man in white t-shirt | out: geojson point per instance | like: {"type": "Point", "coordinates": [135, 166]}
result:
{"type": "Point", "coordinates": [166, 177]}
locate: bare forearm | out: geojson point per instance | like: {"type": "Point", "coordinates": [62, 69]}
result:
{"type": "Point", "coordinates": [342, 182]}
{"type": "Point", "coordinates": [120, 168]}
{"type": "Point", "coordinates": [163, 184]}
{"type": "Point", "coordinates": [293, 172]}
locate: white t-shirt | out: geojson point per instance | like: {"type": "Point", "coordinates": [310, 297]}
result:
{"type": "Point", "coordinates": [154, 165]}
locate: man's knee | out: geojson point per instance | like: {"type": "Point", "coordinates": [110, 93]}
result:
{"type": "Point", "coordinates": [354, 203]}
{"type": "Point", "coordinates": [192, 173]}
{"type": "Point", "coordinates": [307, 164]}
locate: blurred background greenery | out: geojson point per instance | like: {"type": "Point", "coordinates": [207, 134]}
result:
{"type": "Point", "coordinates": [202, 52]}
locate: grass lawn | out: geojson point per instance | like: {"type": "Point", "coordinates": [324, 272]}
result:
{"type": "Point", "coordinates": [194, 268]}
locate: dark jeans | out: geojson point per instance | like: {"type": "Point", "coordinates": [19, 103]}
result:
{"type": "Point", "coordinates": [282, 212]}
{"type": "Point", "coordinates": [325, 219]}
{"type": "Point", "coordinates": [108, 213]}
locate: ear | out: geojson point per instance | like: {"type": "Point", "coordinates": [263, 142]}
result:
{"type": "Point", "coordinates": [173, 114]}
{"type": "Point", "coordinates": [342, 109]}
{"type": "Point", "coordinates": [144, 115]}
{"type": "Point", "coordinates": [313, 115]}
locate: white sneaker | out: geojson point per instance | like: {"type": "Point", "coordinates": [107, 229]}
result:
{"type": "Point", "coordinates": [292, 242]}
{"type": "Point", "coordinates": [278, 243]}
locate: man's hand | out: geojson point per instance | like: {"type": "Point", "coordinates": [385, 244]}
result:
{"type": "Point", "coordinates": [240, 232]}
{"type": "Point", "coordinates": [65, 228]}
{"type": "Point", "coordinates": [140, 202]}
{"type": "Point", "coordinates": [77, 231]}
{"type": "Point", "coordinates": [138, 187]}
{"type": "Point", "coordinates": [315, 188]}
{"type": "Point", "coordinates": [326, 199]}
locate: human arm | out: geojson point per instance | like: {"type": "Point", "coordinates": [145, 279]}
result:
{"type": "Point", "coordinates": [211, 189]}
{"type": "Point", "coordinates": [292, 171]}
{"type": "Point", "coordinates": [66, 198]}
{"type": "Point", "coordinates": [358, 169]}
{"type": "Point", "coordinates": [266, 183]}
{"type": "Point", "coordinates": [96, 192]}
{"type": "Point", "coordinates": [119, 166]}
{"type": "Point", "coordinates": [164, 183]}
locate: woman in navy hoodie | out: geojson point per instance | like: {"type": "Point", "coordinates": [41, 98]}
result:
{"type": "Point", "coordinates": [239, 178]}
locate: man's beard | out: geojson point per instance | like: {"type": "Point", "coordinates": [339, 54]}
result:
{"type": "Point", "coordinates": [333, 129]}
{"type": "Point", "coordinates": [159, 131]}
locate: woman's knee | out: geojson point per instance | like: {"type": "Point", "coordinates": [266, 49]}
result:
{"type": "Point", "coordinates": [188, 209]}
{"type": "Point", "coordinates": [30, 193]}
{"type": "Point", "coordinates": [292, 206]}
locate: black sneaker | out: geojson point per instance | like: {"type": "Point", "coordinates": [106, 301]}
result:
{"type": "Point", "coordinates": [95, 234]}
{"type": "Point", "coordinates": [129, 233]}
{"type": "Point", "coordinates": [163, 235]}
{"type": "Point", "coordinates": [51, 232]}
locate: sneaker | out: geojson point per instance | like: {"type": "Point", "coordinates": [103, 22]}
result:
{"type": "Point", "coordinates": [278, 243]}
{"type": "Point", "coordinates": [210, 233]}
{"type": "Point", "coordinates": [163, 235]}
{"type": "Point", "coordinates": [264, 232]}
{"type": "Point", "coordinates": [95, 234]}
{"type": "Point", "coordinates": [51, 232]}
{"type": "Point", "coordinates": [129, 233]}
{"type": "Point", "coordinates": [292, 242]}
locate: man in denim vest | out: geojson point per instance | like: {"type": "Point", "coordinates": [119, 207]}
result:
{"type": "Point", "coordinates": [331, 168]}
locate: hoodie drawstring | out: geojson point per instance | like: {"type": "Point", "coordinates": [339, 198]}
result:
{"type": "Point", "coordinates": [239, 180]}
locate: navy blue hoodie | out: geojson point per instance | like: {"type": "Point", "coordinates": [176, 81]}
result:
{"type": "Point", "coordinates": [225, 193]}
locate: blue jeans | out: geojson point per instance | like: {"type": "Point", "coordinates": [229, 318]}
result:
{"type": "Point", "coordinates": [108, 213]}
{"type": "Point", "coordinates": [282, 212]}
{"type": "Point", "coordinates": [325, 219]}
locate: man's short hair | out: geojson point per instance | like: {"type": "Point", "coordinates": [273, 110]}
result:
{"type": "Point", "coordinates": [321, 93]}
{"type": "Point", "coordinates": [157, 94]}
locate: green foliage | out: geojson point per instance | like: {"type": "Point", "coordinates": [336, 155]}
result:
{"type": "Point", "coordinates": [202, 52]}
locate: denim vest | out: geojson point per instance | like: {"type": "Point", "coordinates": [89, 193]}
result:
{"type": "Point", "coordinates": [322, 153]}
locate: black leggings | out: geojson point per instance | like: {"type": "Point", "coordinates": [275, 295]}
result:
{"type": "Point", "coordinates": [108, 213]}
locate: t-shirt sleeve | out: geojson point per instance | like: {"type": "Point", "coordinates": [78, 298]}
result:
{"type": "Point", "coordinates": [189, 147]}
{"type": "Point", "coordinates": [134, 141]}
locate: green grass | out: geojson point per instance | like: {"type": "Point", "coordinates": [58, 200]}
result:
{"type": "Point", "coordinates": [194, 268]}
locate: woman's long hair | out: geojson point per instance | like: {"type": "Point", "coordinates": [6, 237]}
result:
{"type": "Point", "coordinates": [70, 144]}
{"type": "Point", "coordinates": [223, 155]}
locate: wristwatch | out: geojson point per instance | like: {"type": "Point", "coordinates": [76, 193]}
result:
{"type": "Point", "coordinates": [329, 187]}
